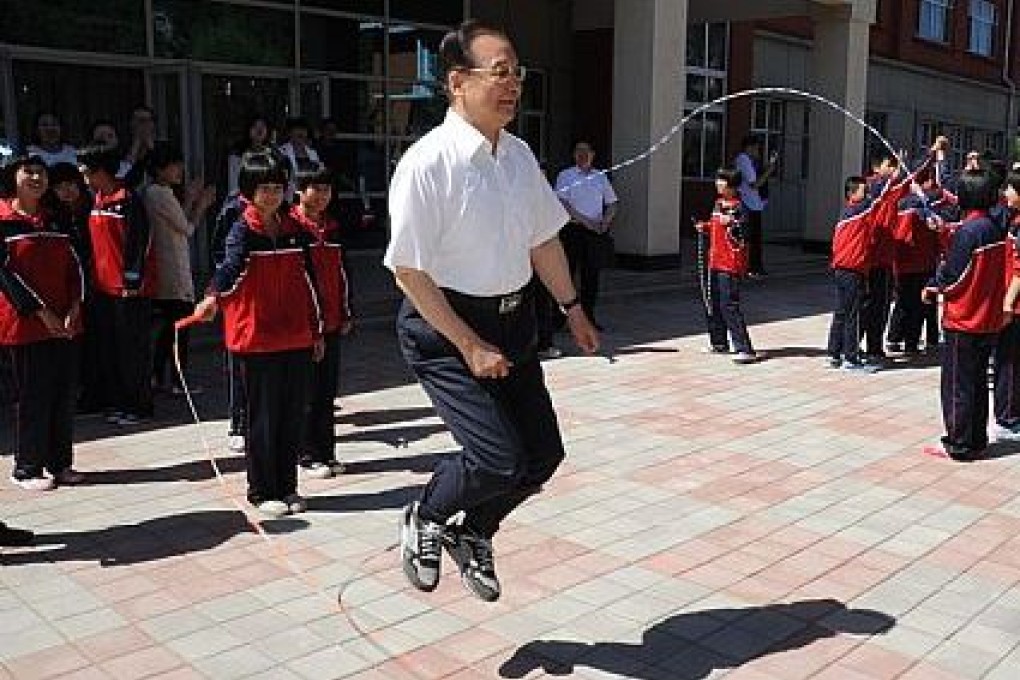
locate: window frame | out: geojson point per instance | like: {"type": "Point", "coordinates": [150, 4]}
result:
{"type": "Point", "coordinates": [981, 30]}
{"type": "Point", "coordinates": [721, 78]}
{"type": "Point", "coordinates": [945, 8]}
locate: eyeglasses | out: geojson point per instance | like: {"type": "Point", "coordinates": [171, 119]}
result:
{"type": "Point", "coordinates": [502, 73]}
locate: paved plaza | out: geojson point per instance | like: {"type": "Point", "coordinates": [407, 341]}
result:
{"type": "Point", "coordinates": [768, 522]}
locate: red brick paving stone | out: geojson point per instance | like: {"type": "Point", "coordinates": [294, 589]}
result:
{"type": "Point", "coordinates": [183, 673]}
{"type": "Point", "coordinates": [841, 672]}
{"type": "Point", "coordinates": [926, 671]}
{"type": "Point", "coordinates": [559, 577]}
{"type": "Point", "coordinates": [805, 662]}
{"type": "Point", "coordinates": [993, 571]}
{"type": "Point", "coordinates": [125, 588]}
{"type": "Point", "coordinates": [92, 673]}
{"type": "Point", "coordinates": [47, 663]}
{"type": "Point", "coordinates": [427, 662]}
{"type": "Point", "coordinates": [114, 643]}
{"type": "Point", "coordinates": [473, 645]}
{"type": "Point", "coordinates": [710, 577]}
{"type": "Point", "coordinates": [877, 661]}
{"type": "Point", "coordinates": [759, 589]}
{"type": "Point", "coordinates": [143, 663]}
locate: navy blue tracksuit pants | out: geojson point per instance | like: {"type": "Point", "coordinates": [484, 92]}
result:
{"type": "Point", "coordinates": [276, 388]}
{"type": "Point", "coordinates": [44, 380]}
{"type": "Point", "coordinates": [965, 390]}
{"type": "Point", "coordinates": [844, 333]}
{"type": "Point", "coordinates": [1007, 375]}
{"type": "Point", "coordinates": [507, 427]}
{"type": "Point", "coordinates": [875, 309]}
{"type": "Point", "coordinates": [725, 320]}
{"type": "Point", "coordinates": [319, 431]}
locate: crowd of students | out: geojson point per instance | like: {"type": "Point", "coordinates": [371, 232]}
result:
{"type": "Point", "coordinates": [95, 272]}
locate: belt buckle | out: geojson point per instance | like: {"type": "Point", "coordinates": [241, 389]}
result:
{"type": "Point", "coordinates": [509, 303]}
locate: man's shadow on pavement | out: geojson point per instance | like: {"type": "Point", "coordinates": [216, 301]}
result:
{"type": "Point", "coordinates": [361, 502]}
{"type": "Point", "coordinates": [385, 416]}
{"type": "Point", "coordinates": [397, 437]}
{"type": "Point", "coordinates": [150, 540]}
{"type": "Point", "coordinates": [188, 471]}
{"type": "Point", "coordinates": [728, 638]}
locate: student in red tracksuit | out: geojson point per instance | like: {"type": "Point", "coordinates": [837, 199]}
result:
{"type": "Point", "coordinates": [41, 291]}
{"type": "Point", "coordinates": [314, 191]}
{"type": "Point", "coordinates": [123, 277]}
{"type": "Point", "coordinates": [1007, 351]}
{"type": "Point", "coordinates": [272, 324]}
{"type": "Point", "coordinates": [878, 291]}
{"type": "Point", "coordinates": [917, 255]}
{"type": "Point", "coordinates": [972, 283]}
{"type": "Point", "coordinates": [852, 244]}
{"type": "Point", "coordinates": [727, 265]}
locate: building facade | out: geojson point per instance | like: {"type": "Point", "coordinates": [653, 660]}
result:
{"type": "Point", "coordinates": [618, 73]}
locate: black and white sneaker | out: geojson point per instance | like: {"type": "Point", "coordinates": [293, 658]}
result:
{"type": "Point", "coordinates": [473, 555]}
{"type": "Point", "coordinates": [420, 549]}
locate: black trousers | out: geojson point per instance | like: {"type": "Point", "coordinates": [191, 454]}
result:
{"type": "Point", "coordinates": [875, 309]}
{"type": "Point", "coordinates": [320, 437]}
{"type": "Point", "coordinates": [90, 374]}
{"type": "Point", "coordinates": [755, 257]}
{"type": "Point", "coordinates": [547, 313]}
{"type": "Point", "coordinates": [1007, 375]}
{"type": "Point", "coordinates": [910, 315]}
{"type": "Point", "coordinates": [165, 314]}
{"type": "Point", "coordinates": [507, 427]}
{"type": "Point", "coordinates": [122, 327]}
{"type": "Point", "coordinates": [965, 390]}
{"type": "Point", "coordinates": [583, 256]}
{"type": "Point", "coordinates": [44, 386]}
{"type": "Point", "coordinates": [276, 386]}
{"type": "Point", "coordinates": [844, 336]}
{"type": "Point", "coordinates": [725, 315]}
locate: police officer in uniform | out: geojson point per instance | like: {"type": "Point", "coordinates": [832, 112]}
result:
{"type": "Point", "coordinates": [472, 218]}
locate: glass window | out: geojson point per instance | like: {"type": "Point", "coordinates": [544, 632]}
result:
{"type": "Point", "coordinates": [78, 95]}
{"type": "Point", "coordinates": [706, 81]}
{"type": "Point", "coordinates": [413, 52]}
{"type": "Point", "coordinates": [446, 12]}
{"type": "Point", "coordinates": [102, 26]}
{"type": "Point", "coordinates": [935, 20]}
{"type": "Point", "coordinates": [212, 31]}
{"type": "Point", "coordinates": [414, 108]}
{"type": "Point", "coordinates": [338, 44]}
{"type": "Point", "coordinates": [357, 105]}
{"type": "Point", "coordinates": [374, 7]}
{"type": "Point", "coordinates": [228, 104]}
{"type": "Point", "coordinates": [982, 27]}
{"type": "Point", "coordinates": [768, 124]}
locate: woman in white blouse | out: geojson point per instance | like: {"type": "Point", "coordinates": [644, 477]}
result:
{"type": "Point", "coordinates": [172, 223]}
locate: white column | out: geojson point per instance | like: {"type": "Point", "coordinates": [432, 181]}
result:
{"type": "Point", "coordinates": [839, 71]}
{"type": "Point", "coordinates": [648, 90]}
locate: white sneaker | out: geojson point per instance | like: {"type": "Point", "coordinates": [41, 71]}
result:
{"type": "Point", "coordinates": [317, 470]}
{"type": "Point", "coordinates": [33, 483]}
{"type": "Point", "coordinates": [338, 467]}
{"type": "Point", "coordinates": [236, 443]}
{"type": "Point", "coordinates": [273, 509]}
{"type": "Point", "coordinates": [69, 477]}
{"type": "Point", "coordinates": [746, 358]}
{"type": "Point", "coordinates": [295, 503]}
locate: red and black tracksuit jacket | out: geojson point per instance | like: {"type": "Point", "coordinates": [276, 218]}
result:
{"type": "Point", "coordinates": [266, 287]}
{"type": "Point", "coordinates": [38, 269]}
{"type": "Point", "coordinates": [122, 257]}
{"type": "Point", "coordinates": [916, 244]}
{"type": "Point", "coordinates": [330, 277]}
{"type": "Point", "coordinates": [971, 278]}
{"type": "Point", "coordinates": [728, 251]}
{"type": "Point", "coordinates": [854, 240]}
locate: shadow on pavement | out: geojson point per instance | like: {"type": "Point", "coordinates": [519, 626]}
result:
{"type": "Point", "coordinates": [387, 417]}
{"type": "Point", "coordinates": [360, 502]}
{"type": "Point", "coordinates": [420, 463]}
{"type": "Point", "coordinates": [728, 638]}
{"type": "Point", "coordinates": [153, 539]}
{"type": "Point", "coordinates": [397, 437]}
{"type": "Point", "coordinates": [793, 352]}
{"type": "Point", "coordinates": [190, 471]}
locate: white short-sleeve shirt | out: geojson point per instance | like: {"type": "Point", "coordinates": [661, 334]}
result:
{"type": "Point", "coordinates": [587, 192]}
{"type": "Point", "coordinates": [466, 217]}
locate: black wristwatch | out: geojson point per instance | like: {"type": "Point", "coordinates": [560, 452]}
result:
{"type": "Point", "coordinates": [570, 304]}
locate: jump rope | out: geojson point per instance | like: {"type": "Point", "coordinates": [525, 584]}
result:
{"type": "Point", "coordinates": [278, 547]}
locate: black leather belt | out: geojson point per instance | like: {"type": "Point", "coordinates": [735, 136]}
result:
{"type": "Point", "coordinates": [499, 304]}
